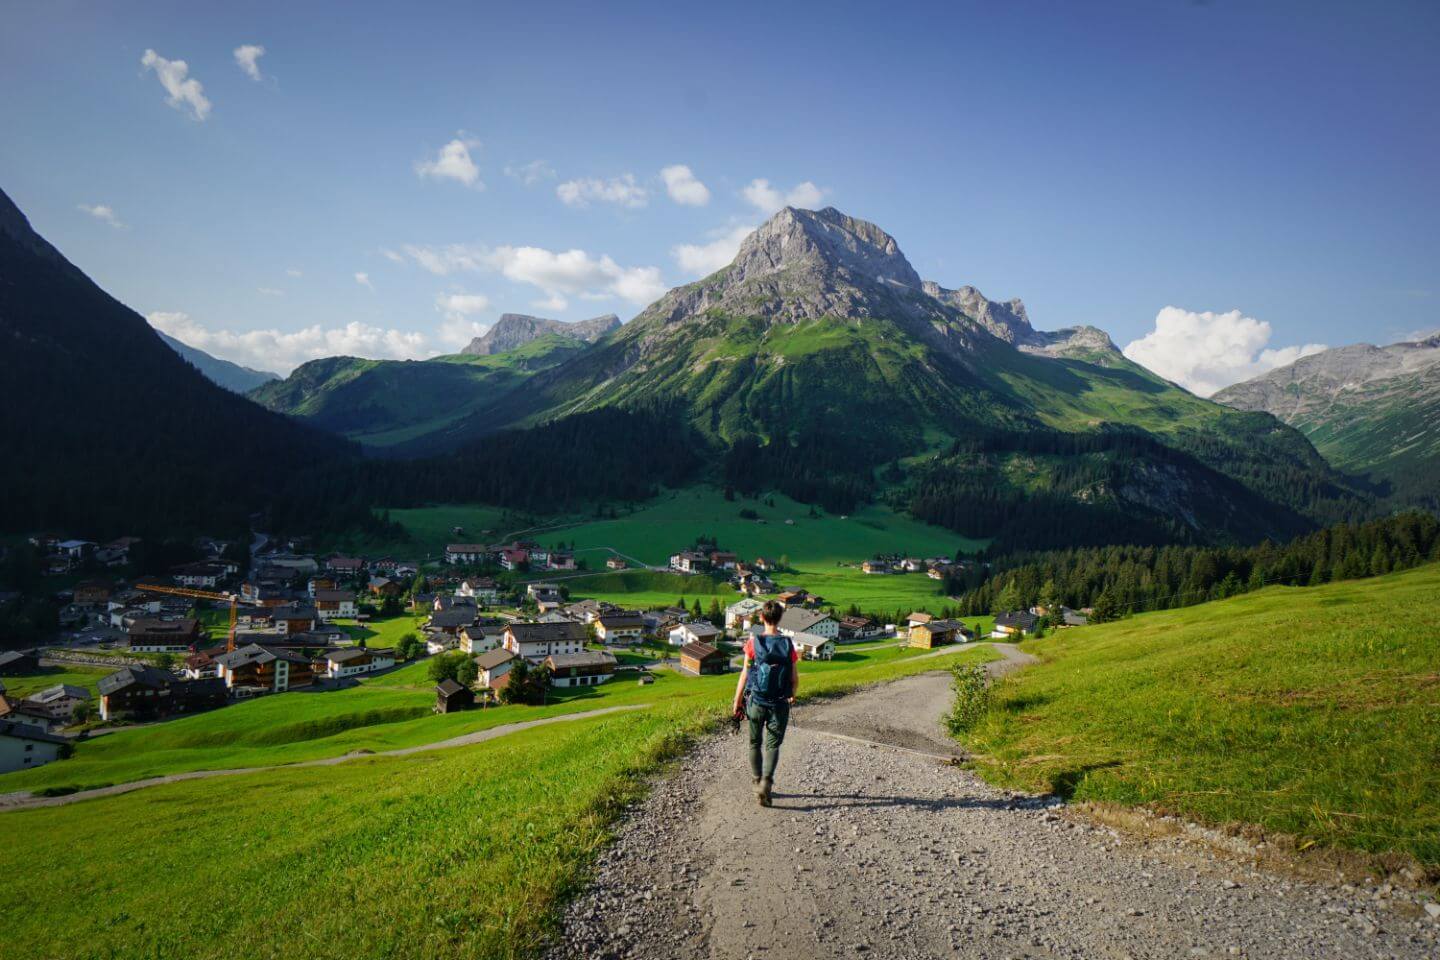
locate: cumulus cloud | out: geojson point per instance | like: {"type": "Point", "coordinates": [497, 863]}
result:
{"type": "Point", "coordinates": [530, 173]}
{"type": "Point", "coordinates": [570, 273]}
{"type": "Point", "coordinates": [393, 256]}
{"type": "Point", "coordinates": [1206, 351]}
{"type": "Point", "coordinates": [551, 304]}
{"type": "Point", "coordinates": [768, 199]}
{"type": "Point", "coordinates": [683, 186]}
{"type": "Point", "coordinates": [247, 58]}
{"type": "Point", "coordinates": [102, 212]}
{"type": "Point", "coordinates": [283, 351]}
{"type": "Point", "coordinates": [453, 162]}
{"type": "Point", "coordinates": [364, 280]}
{"type": "Point", "coordinates": [459, 305]}
{"type": "Point", "coordinates": [703, 259]}
{"type": "Point", "coordinates": [185, 92]}
{"type": "Point", "coordinates": [622, 191]}
{"type": "Point", "coordinates": [458, 328]}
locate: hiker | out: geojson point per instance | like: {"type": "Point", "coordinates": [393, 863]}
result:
{"type": "Point", "coordinates": [764, 694]}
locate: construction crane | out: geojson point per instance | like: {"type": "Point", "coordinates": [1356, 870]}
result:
{"type": "Point", "coordinates": [229, 598]}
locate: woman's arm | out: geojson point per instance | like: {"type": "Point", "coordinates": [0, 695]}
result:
{"type": "Point", "coordinates": [740, 688]}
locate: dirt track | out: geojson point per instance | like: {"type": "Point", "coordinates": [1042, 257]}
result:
{"type": "Point", "coordinates": [876, 848]}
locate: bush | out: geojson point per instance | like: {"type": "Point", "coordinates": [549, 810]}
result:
{"type": "Point", "coordinates": [447, 666]}
{"type": "Point", "coordinates": [972, 698]}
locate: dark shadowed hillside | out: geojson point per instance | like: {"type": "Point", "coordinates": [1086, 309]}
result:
{"type": "Point", "coordinates": [106, 429]}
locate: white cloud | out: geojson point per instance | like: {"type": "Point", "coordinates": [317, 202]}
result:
{"type": "Point", "coordinates": [1204, 352]}
{"type": "Point", "coordinates": [392, 255]}
{"type": "Point", "coordinates": [364, 280]}
{"type": "Point", "coordinates": [621, 190]}
{"type": "Point", "coordinates": [768, 199]}
{"type": "Point", "coordinates": [455, 305]}
{"type": "Point", "coordinates": [458, 329]}
{"type": "Point", "coordinates": [571, 273]}
{"type": "Point", "coordinates": [453, 162]}
{"type": "Point", "coordinates": [293, 272]}
{"type": "Point", "coordinates": [270, 291]}
{"type": "Point", "coordinates": [247, 58]}
{"type": "Point", "coordinates": [530, 173]}
{"type": "Point", "coordinates": [104, 213]}
{"type": "Point", "coordinates": [703, 259]}
{"type": "Point", "coordinates": [282, 351]}
{"type": "Point", "coordinates": [683, 187]}
{"type": "Point", "coordinates": [552, 304]}
{"type": "Point", "coordinates": [184, 90]}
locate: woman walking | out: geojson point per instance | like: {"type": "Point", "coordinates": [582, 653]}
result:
{"type": "Point", "coordinates": [766, 689]}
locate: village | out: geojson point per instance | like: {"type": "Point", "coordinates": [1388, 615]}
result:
{"type": "Point", "coordinates": [499, 624]}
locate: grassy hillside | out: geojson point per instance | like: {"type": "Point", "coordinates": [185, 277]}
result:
{"type": "Point", "coordinates": [1309, 711]}
{"type": "Point", "coordinates": [19, 687]}
{"type": "Point", "coordinates": [385, 402]}
{"type": "Point", "coordinates": [462, 853]}
{"type": "Point", "coordinates": [382, 713]}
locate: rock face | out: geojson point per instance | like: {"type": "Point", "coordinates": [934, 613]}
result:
{"type": "Point", "coordinates": [517, 329]}
{"type": "Point", "coordinates": [1365, 407]}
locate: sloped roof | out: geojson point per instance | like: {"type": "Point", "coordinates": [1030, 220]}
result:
{"type": "Point", "coordinates": [493, 658]}
{"type": "Point", "coordinates": [539, 632]}
{"type": "Point", "coordinates": [800, 620]}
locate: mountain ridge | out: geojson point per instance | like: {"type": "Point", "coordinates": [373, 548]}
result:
{"type": "Point", "coordinates": [1367, 408]}
{"type": "Point", "coordinates": [514, 330]}
{"type": "Point", "coordinates": [228, 374]}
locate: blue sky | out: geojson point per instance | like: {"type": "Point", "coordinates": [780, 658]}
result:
{"type": "Point", "coordinates": [1267, 170]}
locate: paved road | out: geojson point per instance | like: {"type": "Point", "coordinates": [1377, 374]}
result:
{"type": "Point", "coordinates": [22, 800]}
{"type": "Point", "coordinates": [878, 847]}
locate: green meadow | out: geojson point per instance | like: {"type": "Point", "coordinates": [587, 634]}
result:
{"type": "Point", "coordinates": [1308, 711]}
{"type": "Point", "coordinates": [382, 713]}
{"type": "Point", "coordinates": [19, 687]}
{"type": "Point", "coordinates": [461, 853]}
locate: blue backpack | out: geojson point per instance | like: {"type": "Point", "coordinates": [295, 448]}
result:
{"type": "Point", "coordinates": [769, 682]}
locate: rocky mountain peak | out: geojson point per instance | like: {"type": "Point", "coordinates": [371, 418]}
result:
{"type": "Point", "coordinates": [1007, 320]}
{"type": "Point", "coordinates": [514, 330]}
{"type": "Point", "coordinates": [823, 240]}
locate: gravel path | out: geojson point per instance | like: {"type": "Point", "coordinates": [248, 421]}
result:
{"type": "Point", "coordinates": [24, 799]}
{"type": "Point", "coordinates": [876, 848]}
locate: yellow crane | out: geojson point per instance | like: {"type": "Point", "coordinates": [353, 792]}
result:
{"type": "Point", "coordinates": [229, 598]}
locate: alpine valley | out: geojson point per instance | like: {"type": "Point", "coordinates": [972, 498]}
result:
{"type": "Point", "coordinates": [818, 364]}
{"type": "Point", "coordinates": [822, 365]}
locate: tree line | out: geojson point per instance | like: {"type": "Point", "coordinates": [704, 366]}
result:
{"type": "Point", "coordinates": [1116, 580]}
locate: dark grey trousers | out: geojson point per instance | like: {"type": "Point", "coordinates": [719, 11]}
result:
{"type": "Point", "coordinates": [767, 727]}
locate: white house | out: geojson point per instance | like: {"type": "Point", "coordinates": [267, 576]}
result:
{"type": "Point", "coordinates": [619, 627]}
{"type": "Point", "coordinates": [23, 746]}
{"type": "Point", "coordinates": [814, 647]}
{"type": "Point", "coordinates": [742, 613]}
{"type": "Point", "coordinates": [353, 661]}
{"type": "Point", "coordinates": [493, 667]}
{"type": "Point", "coordinates": [580, 669]}
{"type": "Point", "coordinates": [699, 631]}
{"type": "Point", "coordinates": [799, 620]}
{"type": "Point", "coordinates": [60, 700]}
{"type": "Point", "coordinates": [536, 641]}
{"type": "Point", "coordinates": [482, 589]}
{"type": "Point", "coordinates": [466, 553]}
{"type": "Point", "coordinates": [476, 639]}
{"type": "Point", "coordinates": [330, 604]}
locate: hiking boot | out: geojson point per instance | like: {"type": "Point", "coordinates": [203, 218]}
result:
{"type": "Point", "coordinates": [762, 792]}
